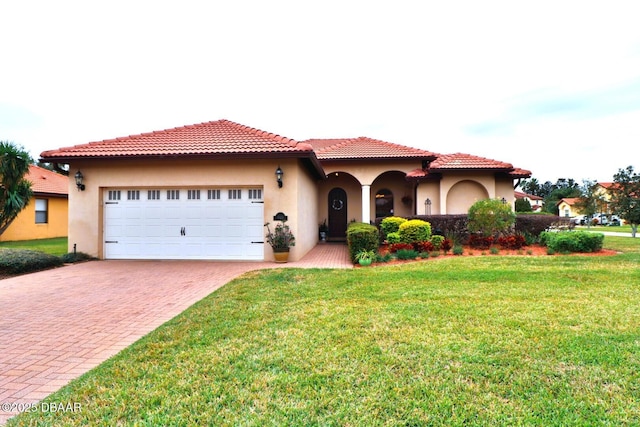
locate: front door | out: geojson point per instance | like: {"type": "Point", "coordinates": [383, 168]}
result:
{"type": "Point", "coordinates": [337, 213]}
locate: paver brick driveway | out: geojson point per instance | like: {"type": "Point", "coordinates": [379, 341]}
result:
{"type": "Point", "coordinates": [56, 325]}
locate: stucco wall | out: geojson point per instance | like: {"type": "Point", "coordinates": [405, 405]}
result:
{"type": "Point", "coordinates": [428, 190]}
{"type": "Point", "coordinates": [85, 214]}
{"type": "Point", "coordinates": [24, 227]}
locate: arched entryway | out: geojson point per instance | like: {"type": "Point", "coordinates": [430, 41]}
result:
{"type": "Point", "coordinates": [337, 214]}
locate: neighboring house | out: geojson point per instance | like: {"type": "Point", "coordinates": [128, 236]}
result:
{"type": "Point", "coordinates": [567, 207]}
{"type": "Point", "coordinates": [205, 191]}
{"type": "Point", "coordinates": [603, 190]}
{"type": "Point", "coordinates": [535, 201]}
{"type": "Point", "coordinates": [46, 214]}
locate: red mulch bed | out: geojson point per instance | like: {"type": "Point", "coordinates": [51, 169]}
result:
{"type": "Point", "coordinates": [533, 250]}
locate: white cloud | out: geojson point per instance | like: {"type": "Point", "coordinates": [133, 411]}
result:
{"type": "Point", "coordinates": [550, 83]}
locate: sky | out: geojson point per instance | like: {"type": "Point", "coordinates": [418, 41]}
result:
{"type": "Point", "coordinates": [549, 86]}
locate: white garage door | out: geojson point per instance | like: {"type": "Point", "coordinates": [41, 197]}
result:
{"type": "Point", "coordinates": [218, 224]}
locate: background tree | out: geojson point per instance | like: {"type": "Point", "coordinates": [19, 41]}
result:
{"type": "Point", "coordinates": [523, 205]}
{"type": "Point", "coordinates": [551, 193]}
{"type": "Point", "coordinates": [491, 217]}
{"type": "Point", "coordinates": [590, 201]}
{"type": "Point", "coordinates": [562, 189]}
{"type": "Point", "coordinates": [15, 190]}
{"type": "Point", "coordinates": [625, 197]}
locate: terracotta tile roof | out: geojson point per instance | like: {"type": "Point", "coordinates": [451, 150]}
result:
{"type": "Point", "coordinates": [520, 173]}
{"type": "Point", "coordinates": [46, 181]}
{"type": "Point", "coordinates": [521, 195]}
{"type": "Point", "coordinates": [569, 200]}
{"type": "Point", "coordinates": [467, 161]}
{"type": "Point", "coordinates": [609, 185]}
{"type": "Point", "coordinates": [363, 148]}
{"type": "Point", "coordinates": [210, 138]}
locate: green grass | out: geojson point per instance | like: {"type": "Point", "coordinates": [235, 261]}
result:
{"type": "Point", "coordinates": [617, 229]}
{"type": "Point", "coordinates": [551, 341]}
{"type": "Point", "coordinates": [56, 246]}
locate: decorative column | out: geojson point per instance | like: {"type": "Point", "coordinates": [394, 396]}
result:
{"type": "Point", "coordinates": [366, 204]}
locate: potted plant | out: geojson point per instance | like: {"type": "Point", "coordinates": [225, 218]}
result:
{"type": "Point", "coordinates": [280, 239]}
{"type": "Point", "coordinates": [323, 229]}
{"type": "Point", "coordinates": [365, 257]}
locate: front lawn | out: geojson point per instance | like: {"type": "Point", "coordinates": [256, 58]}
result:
{"type": "Point", "coordinates": [56, 246]}
{"type": "Point", "coordinates": [454, 341]}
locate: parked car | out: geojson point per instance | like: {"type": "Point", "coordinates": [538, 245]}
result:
{"type": "Point", "coordinates": [579, 220]}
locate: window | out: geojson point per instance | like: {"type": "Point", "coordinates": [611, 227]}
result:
{"type": "Point", "coordinates": [193, 194]}
{"type": "Point", "coordinates": [255, 194]}
{"type": "Point", "coordinates": [153, 195]}
{"type": "Point", "coordinates": [42, 211]}
{"type": "Point", "coordinates": [384, 203]}
{"type": "Point", "coordinates": [173, 194]}
{"type": "Point", "coordinates": [133, 194]}
{"type": "Point", "coordinates": [213, 194]}
{"type": "Point", "coordinates": [235, 194]}
{"type": "Point", "coordinates": [114, 194]}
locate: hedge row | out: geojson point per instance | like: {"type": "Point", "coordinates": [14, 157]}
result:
{"type": "Point", "coordinates": [20, 261]}
{"type": "Point", "coordinates": [455, 226]}
{"type": "Point", "coordinates": [575, 241]}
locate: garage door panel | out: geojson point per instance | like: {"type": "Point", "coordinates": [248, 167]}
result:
{"type": "Point", "coordinates": [176, 224]}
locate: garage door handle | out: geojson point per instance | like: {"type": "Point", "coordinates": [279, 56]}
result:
{"type": "Point", "coordinates": [183, 232]}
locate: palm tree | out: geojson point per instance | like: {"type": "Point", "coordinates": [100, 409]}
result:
{"type": "Point", "coordinates": [15, 190]}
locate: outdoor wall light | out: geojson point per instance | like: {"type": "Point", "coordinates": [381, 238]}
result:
{"type": "Point", "coordinates": [279, 175]}
{"type": "Point", "coordinates": [79, 179]}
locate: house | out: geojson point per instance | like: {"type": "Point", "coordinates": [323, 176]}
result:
{"type": "Point", "coordinates": [536, 202]}
{"type": "Point", "coordinates": [603, 191]}
{"type": "Point", "coordinates": [46, 214]}
{"type": "Point", "coordinates": [567, 207]}
{"type": "Point", "coordinates": [205, 191]}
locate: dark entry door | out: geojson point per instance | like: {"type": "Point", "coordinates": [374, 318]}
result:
{"type": "Point", "coordinates": [337, 213]}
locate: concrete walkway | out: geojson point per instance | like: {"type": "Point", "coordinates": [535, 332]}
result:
{"type": "Point", "coordinates": [57, 324]}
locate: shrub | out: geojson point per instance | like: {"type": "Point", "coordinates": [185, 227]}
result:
{"type": "Point", "coordinates": [383, 258]}
{"type": "Point", "coordinates": [361, 237]}
{"type": "Point", "coordinates": [423, 246]}
{"type": "Point", "coordinates": [405, 254]}
{"type": "Point", "coordinates": [572, 241]}
{"type": "Point", "coordinates": [71, 257]}
{"type": "Point", "coordinates": [415, 230]}
{"type": "Point", "coordinates": [391, 224]}
{"type": "Point", "coordinates": [399, 246]}
{"type": "Point", "coordinates": [478, 241]}
{"type": "Point", "coordinates": [446, 245]}
{"type": "Point", "coordinates": [18, 261]}
{"type": "Point", "coordinates": [458, 250]}
{"type": "Point", "coordinates": [437, 240]}
{"type": "Point", "coordinates": [490, 217]}
{"type": "Point", "coordinates": [451, 226]}
{"type": "Point", "coordinates": [424, 255]}
{"type": "Point", "coordinates": [534, 224]}
{"type": "Point", "coordinates": [494, 250]}
{"type": "Point", "coordinates": [515, 241]}
{"type": "Point", "coordinates": [393, 238]}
